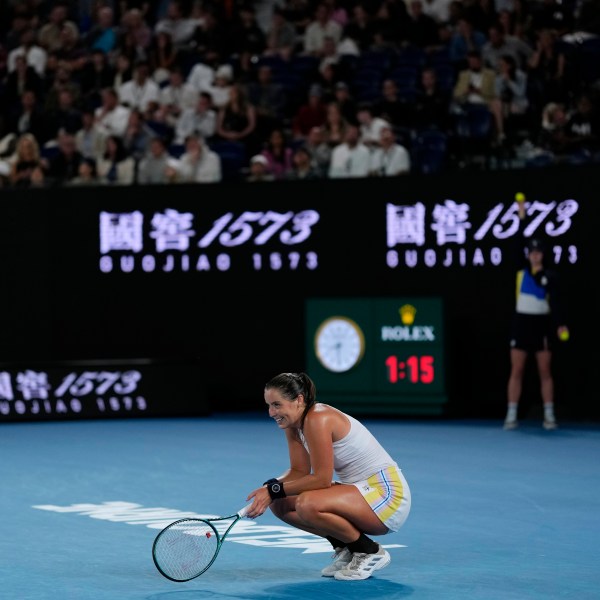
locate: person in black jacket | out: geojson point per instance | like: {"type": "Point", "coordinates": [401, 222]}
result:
{"type": "Point", "coordinates": [538, 322]}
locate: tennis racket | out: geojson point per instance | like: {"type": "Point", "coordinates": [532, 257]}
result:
{"type": "Point", "coordinates": [186, 548]}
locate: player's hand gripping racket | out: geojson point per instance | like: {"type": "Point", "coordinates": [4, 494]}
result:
{"type": "Point", "coordinates": [186, 548]}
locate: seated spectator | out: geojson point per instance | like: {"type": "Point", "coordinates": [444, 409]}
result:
{"type": "Point", "coordinates": [221, 85]}
{"type": "Point", "coordinates": [236, 120]}
{"type": "Point", "coordinates": [431, 105]}
{"type": "Point", "coordinates": [64, 164]}
{"type": "Point", "coordinates": [176, 95]}
{"type": "Point", "coordinates": [28, 117]}
{"type": "Point", "coordinates": [499, 45]}
{"type": "Point", "coordinates": [420, 29]}
{"type": "Point", "coordinates": [269, 98]}
{"type": "Point", "coordinates": [311, 114]}
{"type": "Point", "coordinates": [140, 92]}
{"type": "Point", "coordinates": [123, 71]}
{"type": "Point", "coordinates": [111, 118]}
{"type": "Point", "coordinates": [319, 150]}
{"type": "Point", "coordinates": [26, 165]}
{"type": "Point", "coordinates": [201, 119]}
{"type": "Point", "coordinates": [86, 174]}
{"type": "Point", "coordinates": [177, 24]}
{"type": "Point", "coordinates": [259, 169]}
{"type": "Point", "coordinates": [87, 139]}
{"type": "Point", "coordinates": [351, 158]}
{"type": "Point", "coordinates": [553, 138]}
{"type": "Point", "coordinates": [66, 117]}
{"type": "Point", "coordinates": [322, 26]}
{"type": "Point", "coordinates": [278, 153]}
{"type": "Point", "coordinates": [475, 84]}
{"type": "Point", "coordinates": [103, 33]}
{"type": "Point", "coordinates": [23, 77]}
{"type": "Point", "coordinates": [389, 159]}
{"type": "Point", "coordinates": [335, 126]}
{"type": "Point", "coordinates": [34, 54]}
{"type": "Point", "coordinates": [49, 36]}
{"type": "Point", "coordinates": [465, 40]}
{"type": "Point", "coordinates": [511, 103]}
{"type": "Point", "coordinates": [346, 102]}
{"type": "Point", "coordinates": [280, 34]}
{"type": "Point", "coordinates": [95, 75]}
{"type": "Point", "coordinates": [198, 164]}
{"type": "Point", "coordinates": [162, 57]}
{"type": "Point", "coordinates": [115, 166]}
{"type": "Point", "coordinates": [138, 135]}
{"type": "Point", "coordinates": [583, 127]}
{"type": "Point", "coordinates": [370, 125]}
{"type": "Point", "coordinates": [391, 107]}
{"type": "Point", "coordinates": [302, 166]}
{"type": "Point", "coordinates": [154, 166]}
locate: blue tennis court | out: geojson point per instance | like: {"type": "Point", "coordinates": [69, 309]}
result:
{"type": "Point", "coordinates": [495, 514]}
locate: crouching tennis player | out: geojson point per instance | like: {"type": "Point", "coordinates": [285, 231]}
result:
{"type": "Point", "coordinates": [369, 496]}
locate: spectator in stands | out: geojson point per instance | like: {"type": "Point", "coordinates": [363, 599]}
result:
{"type": "Point", "coordinates": [95, 75]}
{"type": "Point", "coordinates": [547, 71]}
{"type": "Point", "coordinates": [66, 117]}
{"type": "Point", "coordinates": [583, 127]}
{"type": "Point", "coordinates": [511, 103]}
{"type": "Point", "coordinates": [177, 24]}
{"type": "Point", "coordinates": [278, 153]}
{"type": "Point", "coordinates": [163, 57]}
{"type": "Point", "coordinates": [198, 164]}
{"type": "Point", "coordinates": [123, 70]}
{"type": "Point", "coordinates": [259, 170]}
{"type": "Point", "coordinates": [391, 106]}
{"type": "Point", "coordinates": [103, 33]}
{"type": "Point", "coordinates": [465, 40]}
{"type": "Point", "coordinates": [553, 139]}
{"type": "Point", "coordinates": [154, 166]}
{"type": "Point", "coordinates": [22, 77]}
{"type": "Point", "coordinates": [431, 104]}
{"type": "Point", "coordinates": [35, 55]}
{"type": "Point", "coordinates": [245, 33]}
{"type": "Point", "coordinates": [335, 126]}
{"type": "Point", "coordinates": [345, 100]}
{"type": "Point", "coordinates": [49, 36]}
{"type": "Point", "coordinates": [475, 84]}
{"type": "Point", "coordinates": [321, 27]}
{"type": "Point", "coordinates": [319, 149]}
{"type": "Point", "coordinates": [311, 114]}
{"type": "Point", "coordinates": [351, 158]}
{"type": "Point", "coordinates": [111, 118]}
{"type": "Point", "coordinates": [175, 96]}
{"type": "Point", "coordinates": [360, 29]}
{"type": "Point", "coordinates": [390, 158]}
{"type": "Point", "coordinates": [133, 25]}
{"type": "Point", "coordinates": [138, 135]}
{"type": "Point", "coordinates": [86, 175]}
{"type": "Point", "coordinates": [140, 92]}
{"type": "Point", "coordinates": [236, 120]}
{"type": "Point", "coordinates": [201, 119]}
{"type": "Point", "coordinates": [421, 30]}
{"type": "Point", "coordinates": [499, 44]}
{"type": "Point", "coordinates": [270, 100]}
{"type": "Point", "coordinates": [63, 165]}
{"type": "Point", "coordinates": [370, 125]}
{"type": "Point", "coordinates": [88, 140]}
{"type": "Point", "coordinates": [280, 35]}
{"type": "Point", "coordinates": [26, 165]}
{"type": "Point", "coordinates": [115, 166]}
{"type": "Point", "coordinates": [302, 166]}
{"type": "Point", "coordinates": [28, 117]}
{"type": "Point", "coordinates": [221, 85]}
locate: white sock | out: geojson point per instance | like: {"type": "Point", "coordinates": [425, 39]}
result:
{"type": "Point", "coordinates": [549, 412]}
{"type": "Point", "coordinates": [511, 415]}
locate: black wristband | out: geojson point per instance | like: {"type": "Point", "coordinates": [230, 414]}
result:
{"type": "Point", "coordinates": [276, 490]}
{"type": "Point", "coordinates": [269, 481]}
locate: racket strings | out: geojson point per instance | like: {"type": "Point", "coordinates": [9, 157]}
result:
{"type": "Point", "coordinates": [185, 549]}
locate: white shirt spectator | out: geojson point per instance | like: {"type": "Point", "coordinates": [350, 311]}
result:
{"type": "Point", "coordinates": [390, 158]}
{"type": "Point", "coordinates": [320, 28]}
{"type": "Point", "coordinates": [113, 122]}
{"type": "Point", "coordinates": [36, 57]}
{"type": "Point", "coordinates": [351, 158]}
{"type": "Point", "coordinates": [201, 76]}
{"type": "Point", "coordinates": [139, 95]}
{"type": "Point", "coordinates": [198, 164]}
{"type": "Point", "coordinates": [201, 120]}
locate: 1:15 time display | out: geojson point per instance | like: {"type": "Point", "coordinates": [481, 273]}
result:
{"type": "Point", "coordinates": [413, 369]}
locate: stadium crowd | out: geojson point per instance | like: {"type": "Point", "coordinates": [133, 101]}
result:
{"type": "Point", "coordinates": [133, 91]}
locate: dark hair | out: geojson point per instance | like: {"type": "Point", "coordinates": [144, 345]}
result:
{"type": "Point", "coordinates": [291, 385]}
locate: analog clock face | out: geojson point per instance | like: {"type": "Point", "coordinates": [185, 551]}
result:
{"type": "Point", "coordinates": [339, 344]}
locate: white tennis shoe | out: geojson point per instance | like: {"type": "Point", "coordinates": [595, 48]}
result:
{"type": "Point", "coordinates": [341, 559]}
{"type": "Point", "coordinates": [363, 565]}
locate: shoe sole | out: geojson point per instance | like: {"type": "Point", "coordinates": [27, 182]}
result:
{"type": "Point", "coordinates": [380, 565]}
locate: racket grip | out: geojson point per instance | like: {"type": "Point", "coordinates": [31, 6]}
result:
{"type": "Point", "coordinates": [242, 512]}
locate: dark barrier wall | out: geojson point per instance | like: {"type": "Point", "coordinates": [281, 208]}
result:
{"type": "Point", "coordinates": [219, 275]}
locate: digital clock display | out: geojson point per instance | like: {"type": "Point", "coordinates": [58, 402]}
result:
{"type": "Point", "coordinates": [413, 369]}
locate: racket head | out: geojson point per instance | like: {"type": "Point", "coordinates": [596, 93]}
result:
{"type": "Point", "coordinates": [185, 549]}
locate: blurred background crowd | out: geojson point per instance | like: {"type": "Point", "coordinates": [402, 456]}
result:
{"type": "Point", "coordinates": [165, 91]}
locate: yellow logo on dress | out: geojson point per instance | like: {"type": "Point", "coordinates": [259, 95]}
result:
{"type": "Point", "coordinates": [407, 314]}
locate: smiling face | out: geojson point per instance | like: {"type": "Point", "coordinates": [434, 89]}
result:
{"type": "Point", "coordinates": [286, 413]}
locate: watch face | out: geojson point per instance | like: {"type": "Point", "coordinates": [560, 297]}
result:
{"type": "Point", "coordinates": [339, 344]}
